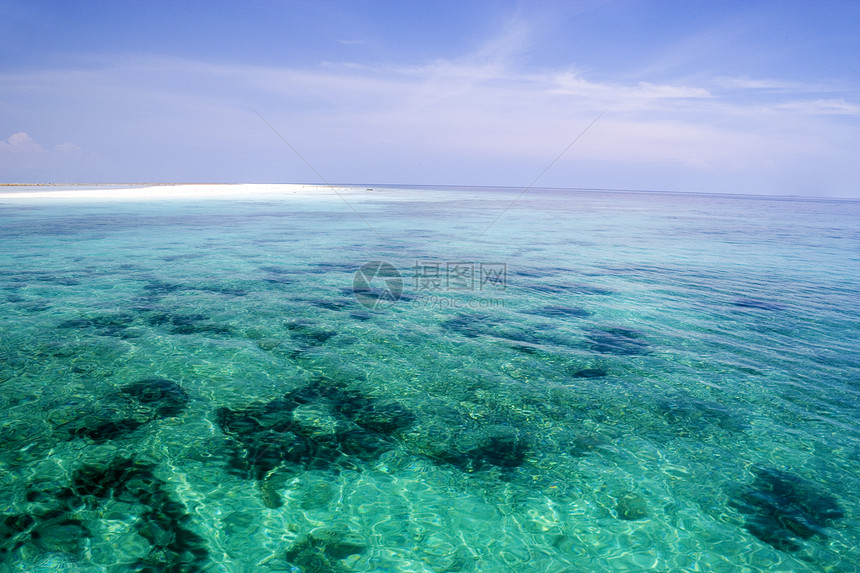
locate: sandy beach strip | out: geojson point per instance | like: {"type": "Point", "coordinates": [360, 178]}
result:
{"type": "Point", "coordinates": [184, 192]}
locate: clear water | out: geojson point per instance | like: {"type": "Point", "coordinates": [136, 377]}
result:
{"type": "Point", "coordinates": [661, 382]}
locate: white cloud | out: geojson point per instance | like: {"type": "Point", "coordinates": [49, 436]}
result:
{"type": "Point", "coordinates": [747, 83]}
{"type": "Point", "coordinates": [820, 107]}
{"type": "Point", "coordinates": [20, 151]}
{"type": "Point", "coordinates": [20, 154]}
{"type": "Point", "coordinates": [20, 144]}
{"type": "Point", "coordinates": [69, 149]}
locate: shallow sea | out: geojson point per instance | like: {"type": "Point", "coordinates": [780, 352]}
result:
{"type": "Point", "coordinates": [599, 381]}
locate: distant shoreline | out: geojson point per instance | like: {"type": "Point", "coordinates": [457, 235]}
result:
{"type": "Point", "coordinates": [163, 191]}
{"type": "Point", "coordinates": [167, 191]}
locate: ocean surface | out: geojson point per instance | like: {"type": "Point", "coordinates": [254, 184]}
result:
{"type": "Point", "coordinates": [429, 380]}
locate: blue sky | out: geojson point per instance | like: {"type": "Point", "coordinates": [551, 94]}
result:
{"type": "Point", "coordinates": [735, 97]}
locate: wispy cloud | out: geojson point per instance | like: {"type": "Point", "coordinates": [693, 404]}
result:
{"type": "Point", "coordinates": [820, 107]}
{"type": "Point", "coordinates": [20, 144]}
{"type": "Point", "coordinates": [20, 153]}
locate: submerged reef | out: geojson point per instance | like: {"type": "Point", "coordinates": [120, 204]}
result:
{"type": "Point", "coordinates": [60, 518]}
{"type": "Point", "coordinates": [569, 288]}
{"type": "Point", "coordinates": [560, 311]}
{"type": "Point", "coordinates": [313, 427]}
{"type": "Point", "coordinates": [330, 304]}
{"type": "Point", "coordinates": [471, 325]}
{"type": "Point", "coordinates": [14, 533]}
{"type": "Point", "coordinates": [308, 334]}
{"type": "Point", "coordinates": [690, 415]}
{"type": "Point", "coordinates": [783, 509]}
{"type": "Point", "coordinates": [177, 323]}
{"type": "Point", "coordinates": [757, 304]}
{"type": "Point", "coordinates": [156, 289]}
{"type": "Point", "coordinates": [479, 324]}
{"type": "Point", "coordinates": [163, 521]}
{"type": "Point", "coordinates": [631, 507]}
{"type": "Point", "coordinates": [51, 523]}
{"type": "Point", "coordinates": [164, 398]}
{"type": "Point", "coordinates": [498, 445]}
{"type": "Point", "coordinates": [470, 447]}
{"type": "Point", "coordinates": [591, 373]}
{"type": "Point", "coordinates": [120, 413]}
{"type": "Point", "coordinates": [159, 288]}
{"type": "Point", "coordinates": [112, 324]}
{"type": "Point", "coordinates": [322, 550]}
{"type": "Point", "coordinates": [617, 340]}
{"type": "Point", "coordinates": [121, 324]}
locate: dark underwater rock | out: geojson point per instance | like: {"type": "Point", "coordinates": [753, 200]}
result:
{"type": "Point", "coordinates": [521, 337]}
{"type": "Point", "coordinates": [121, 413]}
{"type": "Point", "coordinates": [329, 304]}
{"type": "Point", "coordinates": [591, 373]}
{"type": "Point", "coordinates": [471, 325]}
{"type": "Point", "coordinates": [373, 415]}
{"type": "Point", "coordinates": [186, 323]}
{"type": "Point", "coordinates": [757, 304]}
{"type": "Point", "coordinates": [616, 340]}
{"type": "Point", "coordinates": [94, 482]}
{"type": "Point", "coordinates": [362, 444]}
{"type": "Point", "coordinates": [49, 524]}
{"type": "Point", "coordinates": [278, 280]}
{"type": "Point", "coordinates": [369, 295]}
{"type": "Point", "coordinates": [783, 509]}
{"type": "Point", "coordinates": [173, 547]}
{"type": "Point", "coordinates": [14, 532]}
{"type": "Point", "coordinates": [164, 397]}
{"type": "Point", "coordinates": [480, 448]}
{"type": "Point", "coordinates": [499, 445]}
{"type": "Point", "coordinates": [76, 323]}
{"type": "Point", "coordinates": [111, 324]}
{"type": "Point", "coordinates": [693, 414]}
{"type": "Point", "coordinates": [570, 288]}
{"type": "Point", "coordinates": [268, 344]}
{"type": "Point", "coordinates": [479, 324]}
{"type": "Point", "coordinates": [266, 436]}
{"type": "Point", "coordinates": [225, 290]}
{"type": "Point", "coordinates": [64, 281]}
{"type": "Point", "coordinates": [103, 430]}
{"type": "Point", "coordinates": [37, 306]}
{"type": "Point", "coordinates": [502, 446]}
{"type": "Point", "coordinates": [278, 275]}
{"type": "Point", "coordinates": [560, 311]}
{"type": "Point", "coordinates": [61, 533]}
{"type": "Point", "coordinates": [276, 270]}
{"type": "Point", "coordinates": [160, 288]}
{"type": "Point", "coordinates": [51, 494]}
{"type": "Point", "coordinates": [308, 334]}
{"type": "Point", "coordinates": [321, 268]}
{"type": "Point", "coordinates": [580, 445]}
{"type": "Point", "coordinates": [321, 550]}
{"type": "Point", "coordinates": [631, 507]}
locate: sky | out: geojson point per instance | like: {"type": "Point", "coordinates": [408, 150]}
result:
{"type": "Point", "coordinates": [721, 97]}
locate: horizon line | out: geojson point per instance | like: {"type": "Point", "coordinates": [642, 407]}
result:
{"type": "Point", "coordinates": [428, 186]}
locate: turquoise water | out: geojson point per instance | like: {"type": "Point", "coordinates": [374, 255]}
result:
{"type": "Point", "coordinates": [620, 382]}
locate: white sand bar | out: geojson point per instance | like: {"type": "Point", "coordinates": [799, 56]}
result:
{"type": "Point", "coordinates": [185, 192]}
